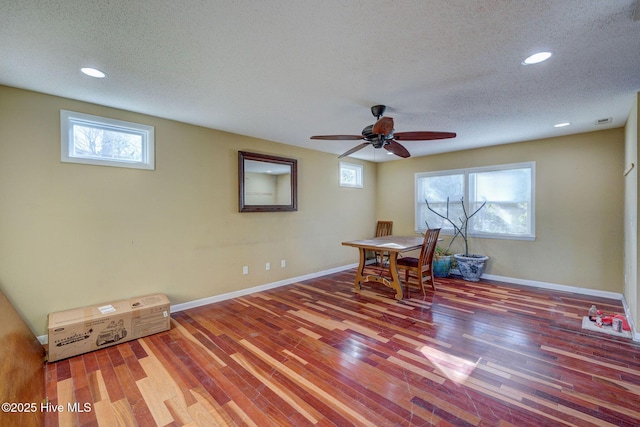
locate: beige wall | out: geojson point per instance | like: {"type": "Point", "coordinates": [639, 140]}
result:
{"type": "Point", "coordinates": [579, 199]}
{"type": "Point", "coordinates": [631, 207]}
{"type": "Point", "coordinates": [72, 235]}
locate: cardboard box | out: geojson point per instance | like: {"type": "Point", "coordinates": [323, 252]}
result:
{"type": "Point", "coordinates": [81, 330]}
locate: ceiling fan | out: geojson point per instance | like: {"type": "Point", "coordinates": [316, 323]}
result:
{"type": "Point", "coordinates": [381, 134]}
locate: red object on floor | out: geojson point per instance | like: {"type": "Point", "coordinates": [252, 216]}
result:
{"type": "Point", "coordinates": [625, 324]}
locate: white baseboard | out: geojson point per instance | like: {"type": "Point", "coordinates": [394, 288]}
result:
{"type": "Point", "coordinates": [532, 283]}
{"type": "Point", "coordinates": [260, 288]}
{"type": "Point", "coordinates": [574, 289]}
{"type": "Point", "coordinates": [555, 287]}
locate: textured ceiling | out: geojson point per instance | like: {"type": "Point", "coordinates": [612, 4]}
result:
{"type": "Point", "coordinates": [286, 70]}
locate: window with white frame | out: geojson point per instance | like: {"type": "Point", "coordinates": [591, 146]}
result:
{"type": "Point", "coordinates": [102, 141]}
{"type": "Point", "coordinates": [508, 190]}
{"type": "Point", "coordinates": [350, 175]}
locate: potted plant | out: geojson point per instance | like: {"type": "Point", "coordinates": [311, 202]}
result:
{"type": "Point", "coordinates": [442, 259]}
{"type": "Point", "coordinates": [442, 262]}
{"type": "Point", "coordinates": [471, 266]}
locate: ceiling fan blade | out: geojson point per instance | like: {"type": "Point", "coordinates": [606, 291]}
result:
{"type": "Point", "coordinates": [422, 136]}
{"type": "Point", "coordinates": [354, 149]}
{"type": "Point", "coordinates": [384, 126]}
{"type": "Point", "coordinates": [338, 137]}
{"type": "Point", "coordinates": [397, 149]}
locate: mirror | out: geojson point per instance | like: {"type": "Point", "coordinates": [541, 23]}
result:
{"type": "Point", "coordinates": [267, 183]}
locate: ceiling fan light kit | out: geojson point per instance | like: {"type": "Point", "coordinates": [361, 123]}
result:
{"type": "Point", "coordinates": [381, 134]}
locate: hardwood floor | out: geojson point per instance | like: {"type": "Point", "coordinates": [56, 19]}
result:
{"type": "Point", "coordinates": [316, 353]}
{"type": "Point", "coordinates": [21, 369]}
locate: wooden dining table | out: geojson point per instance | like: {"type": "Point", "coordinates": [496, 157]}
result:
{"type": "Point", "coordinates": [393, 245]}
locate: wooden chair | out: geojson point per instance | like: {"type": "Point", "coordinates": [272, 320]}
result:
{"type": "Point", "coordinates": [421, 266]}
{"type": "Point", "coordinates": [383, 228]}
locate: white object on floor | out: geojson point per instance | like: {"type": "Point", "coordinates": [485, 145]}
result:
{"type": "Point", "coordinates": [605, 329]}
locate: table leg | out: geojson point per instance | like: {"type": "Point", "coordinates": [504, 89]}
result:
{"type": "Point", "coordinates": [395, 280]}
{"type": "Point", "coordinates": [360, 274]}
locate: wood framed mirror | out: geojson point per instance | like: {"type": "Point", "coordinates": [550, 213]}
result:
{"type": "Point", "coordinates": [267, 183]}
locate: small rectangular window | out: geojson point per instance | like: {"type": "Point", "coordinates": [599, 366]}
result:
{"type": "Point", "coordinates": [350, 175]}
{"type": "Point", "coordinates": [102, 141]}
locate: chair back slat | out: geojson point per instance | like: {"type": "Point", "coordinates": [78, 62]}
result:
{"type": "Point", "coordinates": [429, 246]}
{"type": "Point", "coordinates": [384, 228]}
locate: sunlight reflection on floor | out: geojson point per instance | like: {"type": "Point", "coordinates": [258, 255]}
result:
{"type": "Point", "coordinates": [455, 368]}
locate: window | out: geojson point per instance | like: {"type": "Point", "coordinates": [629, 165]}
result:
{"type": "Point", "coordinates": [508, 191]}
{"type": "Point", "coordinates": [350, 175]}
{"type": "Point", "coordinates": [108, 142]}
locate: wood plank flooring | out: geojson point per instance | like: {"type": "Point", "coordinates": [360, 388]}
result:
{"type": "Point", "coordinates": [20, 361]}
{"type": "Point", "coordinates": [318, 353]}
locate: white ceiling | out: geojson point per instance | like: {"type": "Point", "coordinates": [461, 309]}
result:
{"type": "Point", "coordinates": [284, 70]}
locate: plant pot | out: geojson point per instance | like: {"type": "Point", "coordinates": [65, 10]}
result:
{"type": "Point", "coordinates": [441, 265]}
{"type": "Point", "coordinates": [471, 267]}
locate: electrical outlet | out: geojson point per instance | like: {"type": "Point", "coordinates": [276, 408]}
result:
{"type": "Point", "coordinates": [283, 263]}
{"type": "Point", "coordinates": [245, 269]}
{"type": "Point", "coordinates": [267, 266]}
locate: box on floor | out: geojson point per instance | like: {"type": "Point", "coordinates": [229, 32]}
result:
{"type": "Point", "coordinates": [80, 330]}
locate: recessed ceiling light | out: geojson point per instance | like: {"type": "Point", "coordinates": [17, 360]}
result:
{"type": "Point", "coordinates": [561, 125]}
{"type": "Point", "coordinates": [93, 72]}
{"type": "Point", "coordinates": [536, 58]}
